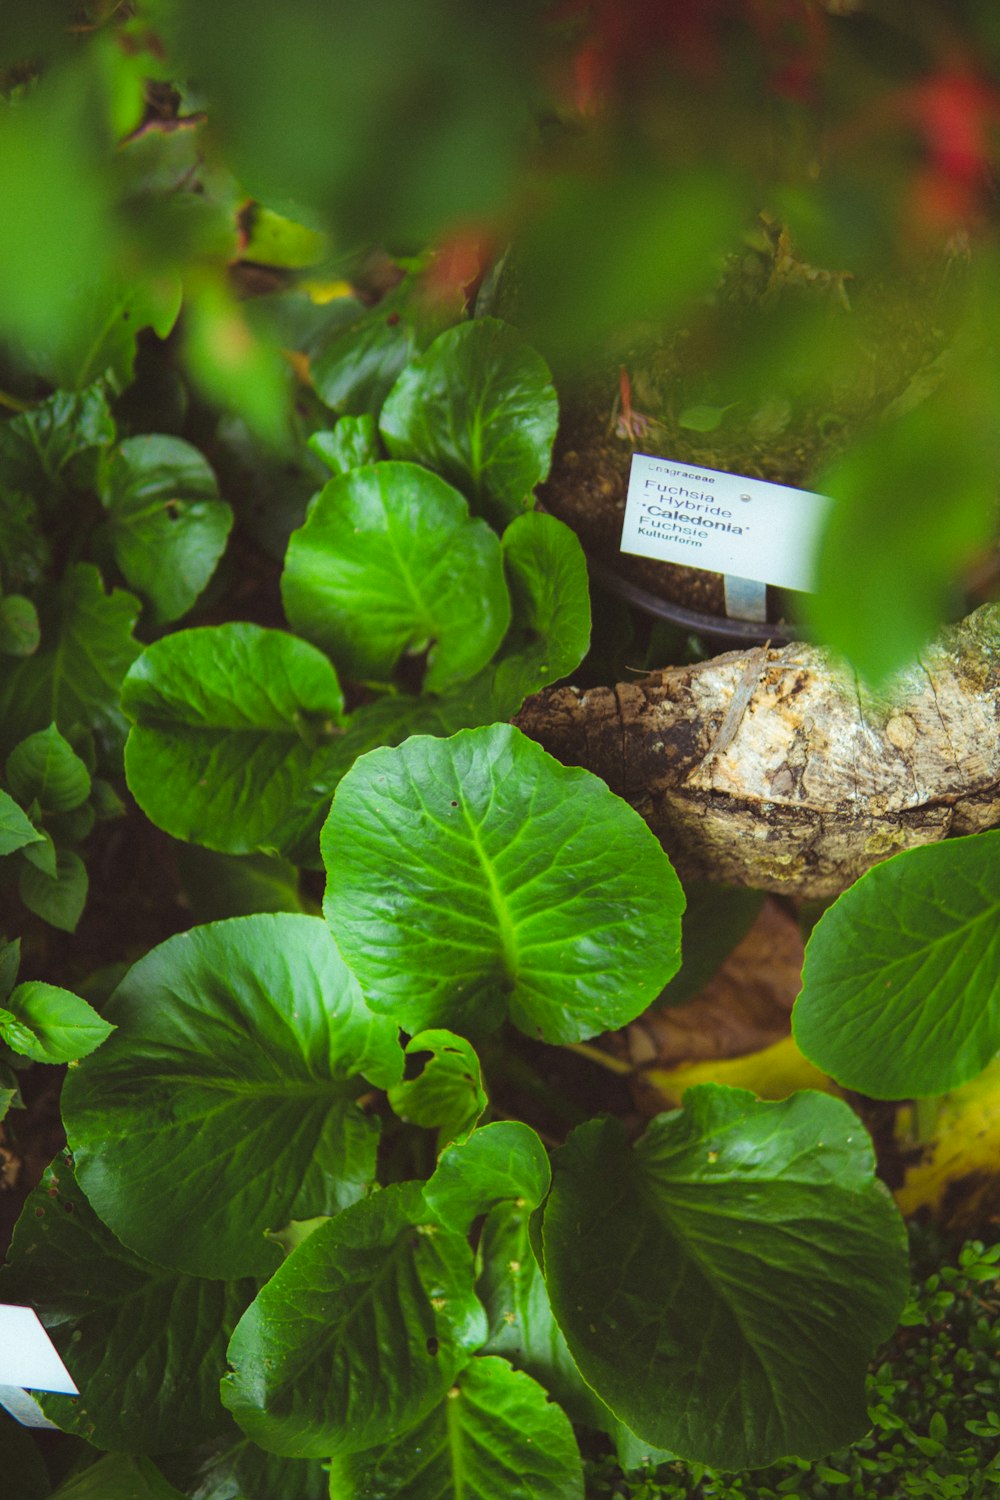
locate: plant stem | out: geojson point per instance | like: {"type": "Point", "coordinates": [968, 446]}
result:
{"type": "Point", "coordinates": [599, 1056]}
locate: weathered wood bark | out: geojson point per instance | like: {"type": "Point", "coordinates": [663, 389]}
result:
{"type": "Point", "coordinates": [772, 769]}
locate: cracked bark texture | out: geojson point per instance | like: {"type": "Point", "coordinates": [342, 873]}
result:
{"type": "Point", "coordinates": [774, 768]}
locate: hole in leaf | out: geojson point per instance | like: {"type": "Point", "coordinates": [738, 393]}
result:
{"type": "Point", "coordinates": [432, 1345]}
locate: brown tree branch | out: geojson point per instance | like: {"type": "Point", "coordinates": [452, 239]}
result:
{"type": "Point", "coordinates": [774, 769]}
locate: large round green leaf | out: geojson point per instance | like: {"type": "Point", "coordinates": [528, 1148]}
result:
{"type": "Point", "coordinates": [494, 1436]}
{"type": "Point", "coordinates": [146, 1347]}
{"type": "Point", "coordinates": [236, 729]}
{"type": "Point", "coordinates": [480, 408]}
{"type": "Point", "coordinates": [901, 983]}
{"type": "Point", "coordinates": [476, 876]}
{"type": "Point", "coordinates": [224, 1104]}
{"type": "Point", "coordinates": [723, 1284]}
{"type": "Point", "coordinates": [389, 562]}
{"type": "Point", "coordinates": [359, 1333]}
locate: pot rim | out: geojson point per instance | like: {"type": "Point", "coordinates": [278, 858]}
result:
{"type": "Point", "coordinates": [715, 627]}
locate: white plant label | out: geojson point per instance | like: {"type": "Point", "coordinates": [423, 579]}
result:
{"type": "Point", "coordinates": [724, 523]}
{"type": "Point", "coordinates": [28, 1362]}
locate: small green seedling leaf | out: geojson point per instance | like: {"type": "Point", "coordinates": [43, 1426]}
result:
{"type": "Point", "coordinates": [43, 855]}
{"type": "Point", "coordinates": [671, 1264]}
{"type": "Point", "coordinates": [479, 408]}
{"type": "Point", "coordinates": [44, 768]}
{"type": "Point", "coordinates": [550, 604]}
{"type": "Point", "coordinates": [901, 982]}
{"type": "Point", "coordinates": [40, 449]}
{"type": "Point", "coordinates": [498, 1161]}
{"type": "Point", "coordinates": [476, 877]}
{"type": "Point", "coordinates": [236, 729]}
{"type": "Point", "coordinates": [145, 1346]}
{"type": "Point", "coordinates": [168, 525]}
{"type": "Point", "coordinates": [51, 1025]}
{"type": "Point", "coordinates": [448, 1092]}
{"type": "Point", "coordinates": [224, 1104]}
{"type": "Point", "coordinates": [388, 563]}
{"type": "Point", "coordinates": [20, 633]}
{"type": "Point", "coordinates": [16, 829]}
{"type": "Point", "coordinates": [57, 898]}
{"type": "Point", "coordinates": [493, 1435]}
{"type": "Point", "coordinates": [703, 418]}
{"type": "Point", "coordinates": [352, 444]}
{"type": "Point", "coordinates": [359, 1333]}
{"type": "Point", "coordinates": [75, 676]}
{"type": "Point", "coordinates": [10, 962]}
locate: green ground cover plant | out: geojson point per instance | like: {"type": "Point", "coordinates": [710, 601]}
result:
{"type": "Point", "coordinates": [274, 585]}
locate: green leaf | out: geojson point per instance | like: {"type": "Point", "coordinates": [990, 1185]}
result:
{"type": "Point", "coordinates": [352, 444]}
{"type": "Point", "coordinates": [16, 829]}
{"type": "Point", "coordinates": [51, 1025]}
{"type": "Point", "coordinates": [146, 1347]}
{"type": "Point", "coordinates": [390, 562]}
{"type": "Point", "coordinates": [236, 729]}
{"type": "Point", "coordinates": [110, 311]}
{"type": "Point", "coordinates": [226, 885]}
{"type": "Point", "coordinates": [224, 1104]}
{"type": "Point", "coordinates": [716, 918]}
{"type": "Point", "coordinates": [10, 962]}
{"type": "Point", "coordinates": [723, 1284]}
{"type": "Point", "coordinates": [498, 1161]}
{"type": "Point", "coordinates": [892, 551]}
{"type": "Point", "coordinates": [901, 982]}
{"type": "Point", "coordinates": [511, 1287]}
{"type": "Point", "coordinates": [76, 676]}
{"type": "Point", "coordinates": [43, 855]}
{"type": "Point", "coordinates": [168, 526]}
{"type": "Point", "coordinates": [358, 1334]}
{"type": "Point", "coordinates": [494, 1435]}
{"type": "Point", "coordinates": [703, 418]}
{"type": "Point", "coordinates": [356, 370]}
{"type": "Point", "coordinates": [25, 551]}
{"type": "Point", "coordinates": [550, 598]}
{"type": "Point", "coordinates": [40, 449]}
{"type": "Point", "coordinates": [58, 899]}
{"type": "Point", "coordinates": [448, 1092]}
{"type": "Point", "coordinates": [479, 407]}
{"type": "Point", "coordinates": [474, 877]}
{"type": "Point", "coordinates": [118, 1477]}
{"type": "Point", "coordinates": [20, 632]}
{"type": "Point", "coordinates": [44, 768]}
{"type": "Point", "coordinates": [237, 1469]}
